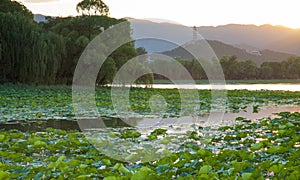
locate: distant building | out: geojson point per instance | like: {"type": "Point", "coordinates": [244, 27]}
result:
{"type": "Point", "coordinates": [257, 53]}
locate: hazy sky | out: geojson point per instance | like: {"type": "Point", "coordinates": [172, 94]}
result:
{"type": "Point", "coordinates": [187, 12]}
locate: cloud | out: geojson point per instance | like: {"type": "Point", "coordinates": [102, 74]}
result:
{"type": "Point", "coordinates": [39, 1]}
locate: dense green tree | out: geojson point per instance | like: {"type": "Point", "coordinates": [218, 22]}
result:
{"type": "Point", "coordinates": [293, 68]}
{"type": "Point", "coordinates": [289, 69]}
{"type": "Point", "coordinates": [14, 7]}
{"type": "Point", "coordinates": [244, 70]}
{"type": "Point", "coordinates": [92, 7]}
{"type": "Point", "coordinates": [78, 32]}
{"type": "Point", "coordinates": [141, 50]}
{"type": "Point", "coordinates": [123, 54]}
{"type": "Point", "coordinates": [196, 70]}
{"type": "Point", "coordinates": [229, 65]}
{"type": "Point", "coordinates": [107, 72]}
{"type": "Point", "coordinates": [28, 53]}
{"type": "Point", "coordinates": [265, 72]}
{"type": "Point", "coordinates": [273, 70]}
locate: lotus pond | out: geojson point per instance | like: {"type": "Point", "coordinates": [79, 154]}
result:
{"type": "Point", "coordinates": [20, 102]}
{"type": "Point", "coordinates": [251, 148]}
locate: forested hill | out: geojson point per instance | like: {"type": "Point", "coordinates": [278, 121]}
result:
{"type": "Point", "coordinates": [222, 49]}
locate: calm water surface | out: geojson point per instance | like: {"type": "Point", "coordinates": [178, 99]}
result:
{"type": "Point", "coordinates": [150, 123]}
{"type": "Point", "coordinates": [251, 87]}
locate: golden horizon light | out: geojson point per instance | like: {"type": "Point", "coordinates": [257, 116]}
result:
{"type": "Point", "coordinates": [189, 12]}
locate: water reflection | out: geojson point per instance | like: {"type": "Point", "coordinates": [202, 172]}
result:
{"type": "Point", "coordinates": [185, 123]}
{"type": "Point", "coordinates": [63, 124]}
{"type": "Point", "coordinates": [251, 87]}
{"type": "Point", "coordinates": [146, 125]}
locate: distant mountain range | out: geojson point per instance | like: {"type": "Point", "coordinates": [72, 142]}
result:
{"type": "Point", "coordinates": [259, 43]}
{"type": "Point", "coordinates": [276, 38]}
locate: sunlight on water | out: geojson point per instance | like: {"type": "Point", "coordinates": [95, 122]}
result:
{"type": "Point", "coordinates": [251, 87]}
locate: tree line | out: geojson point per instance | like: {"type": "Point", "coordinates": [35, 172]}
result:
{"type": "Point", "coordinates": [47, 53]}
{"type": "Point", "coordinates": [232, 69]}
{"type": "Point", "coordinates": [248, 70]}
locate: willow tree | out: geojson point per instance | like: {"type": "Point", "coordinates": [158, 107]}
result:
{"type": "Point", "coordinates": [92, 7]}
{"type": "Point", "coordinates": [28, 53]}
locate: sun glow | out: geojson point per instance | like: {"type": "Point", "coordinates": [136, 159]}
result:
{"type": "Point", "coordinates": [188, 12]}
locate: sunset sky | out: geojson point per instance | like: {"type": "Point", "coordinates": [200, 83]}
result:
{"type": "Point", "coordinates": [188, 12]}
